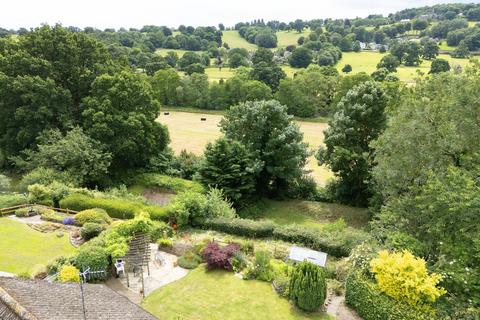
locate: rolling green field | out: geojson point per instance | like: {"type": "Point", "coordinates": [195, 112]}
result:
{"type": "Point", "coordinates": [215, 74]}
{"type": "Point", "coordinates": [163, 52]}
{"type": "Point", "coordinates": [218, 295]}
{"type": "Point", "coordinates": [286, 38]}
{"type": "Point", "coordinates": [22, 248]}
{"type": "Point", "coordinates": [232, 37]}
{"type": "Point", "coordinates": [188, 132]}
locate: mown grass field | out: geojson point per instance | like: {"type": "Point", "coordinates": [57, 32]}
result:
{"type": "Point", "coordinates": [218, 295]}
{"type": "Point", "coordinates": [22, 248]}
{"type": "Point", "coordinates": [286, 38]}
{"type": "Point", "coordinates": [188, 132]}
{"type": "Point", "coordinates": [232, 37]}
{"type": "Point", "coordinates": [163, 52]}
{"type": "Point", "coordinates": [313, 214]}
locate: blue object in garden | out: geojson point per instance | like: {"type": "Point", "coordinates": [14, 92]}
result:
{"type": "Point", "coordinates": [69, 221]}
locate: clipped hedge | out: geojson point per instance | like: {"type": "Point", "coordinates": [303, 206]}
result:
{"type": "Point", "coordinates": [116, 208]}
{"type": "Point", "coordinates": [338, 245]}
{"type": "Point", "coordinates": [240, 227]}
{"type": "Point", "coordinates": [365, 297]}
{"type": "Point", "coordinates": [155, 180]}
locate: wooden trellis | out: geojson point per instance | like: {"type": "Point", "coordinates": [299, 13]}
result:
{"type": "Point", "coordinates": [138, 256]}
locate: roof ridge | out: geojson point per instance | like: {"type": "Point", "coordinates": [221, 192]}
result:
{"type": "Point", "coordinates": [14, 306]}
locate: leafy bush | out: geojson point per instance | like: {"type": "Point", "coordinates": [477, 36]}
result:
{"type": "Point", "coordinates": [308, 288]}
{"type": "Point", "coordinates": [91, 230]}
{"type": "Point", "coordinates": [189, 260]}
{"type": "Point", "coordinates": [96, 215]}
{"type": "Point", "coordinates": [10, 200]}
{"type": "Point", "coordinates": [69, 274]}
{"type": "Point", "coordinates": [92, 256]}
{"type": "Point", "coordinates": [218, 257]}
{"type": "Point", "coordinates": [174, 184]}
{"type": "Point", "coordinates": [116, 208]}
{"type": "Point", "coordinates": [43, 176]}
{"type": "Point", "coordinates": [404, 277]}
{"type": "Point", "coordinates": [26, 212]}
{"type": "Point", "coordinates": [56, 265]}
{"type": "Point", "coordinates": [281, 276]}
{"type": "Point", "coordinates": [261, 268]}
{"type": "Point", "coordinates": [164, 243]}
{"type": "Point", "coordinates": [371, 304]}
{"type": "Point", "coordinates": [304, 188]}
{"type": "Point", "coordinates": [241, 227]}
{"type": "Point", "coordinates": [160, 230]}
{"type": "Point", "coordinates": [193, 208]}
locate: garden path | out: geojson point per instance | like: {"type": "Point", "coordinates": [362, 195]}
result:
{"type": "Point", "coordinates": [336, 307]}
{"type": "Point", "coordinates": [33, 220]}
{"type": "Point", "coordinates": [161, 274]}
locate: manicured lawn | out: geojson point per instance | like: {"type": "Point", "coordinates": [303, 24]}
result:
{"type": "Point", "coordinates": [232, 37]}
{"type": "Point", "coordinates": [188, 132]}
{"type": "Point", "coordinates": [313, 214]}
{"type": "Point", "coordinates": [445, 47]}
{"type": "Point", "coordinates": [21, 248]}
{"type": "Point", "coordinates": [218, 295]}
{"type": "Point", "coordinates": [286, 38]}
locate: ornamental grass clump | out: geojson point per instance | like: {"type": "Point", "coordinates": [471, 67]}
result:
{"type": "Point", "coordinates": [405, 277]}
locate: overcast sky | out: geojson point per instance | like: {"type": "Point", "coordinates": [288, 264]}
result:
{"type": "Point", "coordinates": [136, 13]}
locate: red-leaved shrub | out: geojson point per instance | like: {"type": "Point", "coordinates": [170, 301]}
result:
{"type": "Point", "coordinates": [218, 257]}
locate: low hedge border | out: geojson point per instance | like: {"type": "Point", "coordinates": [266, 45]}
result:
{"type": "Point", "coordinates": [337, 247]}
{"type": "Point", "coordinates": [116, 208]}
{"type": "Point", "coordinates": [371, 304]}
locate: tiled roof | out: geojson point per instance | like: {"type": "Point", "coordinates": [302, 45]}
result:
{"type": "Point", "coordinates": [63, 301]}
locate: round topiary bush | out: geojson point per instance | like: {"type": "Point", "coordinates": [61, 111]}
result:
{"type": "Point", "coordinates": [93, 216]}
{"type": "Point", "coordinates": [69, 274]}
{"type": "Point", "coordinates": [91, 230]}
{"type": "Point", "coordinates": [307, 287]}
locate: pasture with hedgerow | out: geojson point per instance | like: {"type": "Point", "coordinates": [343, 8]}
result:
{"type": "Point", "coordinates": [322, 163]}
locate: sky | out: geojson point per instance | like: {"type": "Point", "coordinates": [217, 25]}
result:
{"type": "Point", "coordinates": [121, 13]}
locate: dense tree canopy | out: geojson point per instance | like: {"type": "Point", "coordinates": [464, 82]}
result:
{"type": "Point", "coordinates": [266, 129]}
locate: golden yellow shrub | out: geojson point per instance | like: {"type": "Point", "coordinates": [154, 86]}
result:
{"type": "Point", "coordinates": [404, 277]}
{"type": "Point", "coordinates": [69, 274]}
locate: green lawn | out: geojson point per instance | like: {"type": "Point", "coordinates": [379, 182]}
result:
{"type": "Point", "coordinates": [445, 47]}
{"type": "Point", "coordinates": [232, 37]}
{"type": "Point", "coordinates": [286, 38]}
{"type": "Point", "coordinates": [219, 295]}
{"type": "Point", "coordinates": [215, 74]}
{"type": "Point", "coordinates": [313, 214]}
{"type": "Point", "coordinates": [21, 248]}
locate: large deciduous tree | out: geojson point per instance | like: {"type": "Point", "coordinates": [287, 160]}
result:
{"type": "Point", "coordinates": [276, 142]}
{"type": "Point", "coordinates": [359, 120]}
{"type": "Point", "coordinates": [121, 113]}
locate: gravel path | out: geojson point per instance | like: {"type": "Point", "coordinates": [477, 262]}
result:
{"type": "Point", "coordinates": [337, 308]}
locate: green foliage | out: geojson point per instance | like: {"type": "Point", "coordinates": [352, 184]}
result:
{"type": "Point", "coordinates": [92, 255]}
{"type": "Point", "coordinates": [174, 184]}
{"type": "Point", "coordinates": [53, 216]}
{"type": "Point", "coordinates": [309, 93]}
{"type": "Point", "coordinates": [266, 129]}
{"type": "Point", "coordinates": [121, 112]}
{"type": "Point", "coordinates": [159, 230]}
{"type": "Point", "coordinates": [359, 120]}
{"type": "Point", "coordinates": [308, 288]}
{"type": "Point", "coordinates": [189, 260]}
{"type": "Point", "coordinates": [229, 166]}
{"type": "Point", "coordinates": [371, 304]}
{"type": "Point", "coordinates": [192, 208]}
{"type": "Point", "coordinates": [91, 230]}
{"type": "Point", "coordinates": [338, 244]}
{"type": "Point", "coordinates": [43, 176]}
{"type": "Point", "coordinates": [261, 268]}
{"type": "Point", "coordinates": [10, 200]}
{"type": "Point", "coordinates": [389, 62]}
{"type": "Point", "coordinates": [4, 183]}
{"type": "Point", "coordinates": [81, 158]}
{"type": "Point", "coordinates": [96, 215]}
{"type": "Point", "coordinates": [300, 58]}
{"type": "Point", "coordinates": [440, 65]}
{"type": "Point", "coordinates": [116, 208]}
{"type": "Point", "coordinates": [164, 85]}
